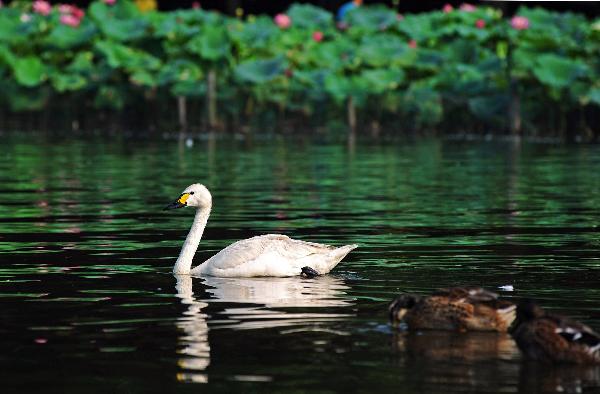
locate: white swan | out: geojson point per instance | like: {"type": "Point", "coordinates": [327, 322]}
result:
{"type": "Point", "coordinates": [265, 255]}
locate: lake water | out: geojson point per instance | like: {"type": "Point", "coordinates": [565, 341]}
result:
{"type": "Point", "coordinates": [89, 303]}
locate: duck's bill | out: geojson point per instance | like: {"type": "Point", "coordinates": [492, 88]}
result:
{"type": "Point", "coordinates": [174, 205]}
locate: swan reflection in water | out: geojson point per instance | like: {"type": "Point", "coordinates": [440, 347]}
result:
{"type": "Point", "coordinates": [250, 303]}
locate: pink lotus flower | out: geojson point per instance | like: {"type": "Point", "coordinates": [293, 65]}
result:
{"type": "Point", "coordinates": [69, 20]}
{"type": "Point", "coordinates": [447, 8]}
{"type": "Point", "coordinates": [42, 7]}
{"type": "Point", "coordinates": [283, 21]}
{"type": "Point", "coordinates": [519, 22]}
{"type": "Point", "coordinates": [466, 7]}
{"type": "Point", "coordinates": [40, 341]}
{"type": "Point", "coordinates": [317, 36]}
{"type": "Point", "coordinates": [24, 18]}
{"type": "Point", "coordinates": [412, 44]}
{"type": "Point", "coordinates": [196, 5]}
{"type": "Point", "coordinates": [65, 8]}
{"type": "Point", "coordinates": [480, 23]}
{"type": "Point", "coordinates": [78, 12]}
{"type": "Point", "coordinates": [110, 2]}
{"type": "Point", "coordinates": [71, 10]}
{"type": "Point", "coordinates": [399, 17]}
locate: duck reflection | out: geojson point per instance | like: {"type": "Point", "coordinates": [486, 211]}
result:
{"type": "Point", "coordinates": [250, 303]}
{"type": "Point", "coordinates": [475, 361]}
{"type": "Point", "coordinates": [444, 345]}
{"type": "Point", "coordinates": [537, 377]}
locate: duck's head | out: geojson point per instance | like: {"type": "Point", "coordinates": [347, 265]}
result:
{"type": "Point", "coordinates": [528, 309]}
{"type": "Point", "coordinates": [401, 305]}
{"type": "Point", "coordinates": [196, 195]}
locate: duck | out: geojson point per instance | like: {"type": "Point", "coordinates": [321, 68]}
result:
{"type": "Point", "coordinates": [270, 255]}
{"type": "Point", "coordinates": [453, 309]}
{"type": "Point", "coordinates": [553, 338]}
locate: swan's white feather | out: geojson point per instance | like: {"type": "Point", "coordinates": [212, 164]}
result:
{"type": "Point", "coordinates": [265, 255]}
{"type": "Point", "coordinates": [271, 255]}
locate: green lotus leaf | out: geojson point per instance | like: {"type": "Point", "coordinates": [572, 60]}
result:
{"type": "Point", "coordinates": [307, 16]}
{"type": "Point", "coordinates": [557, 71]}
{"type": "Point", "coordinates": [66, 37]}
{"type": "Point", "coordinates": [29, 71]}
{"type": "Point", "coordinates": [181, 70]}
{"type": "Point", "coordinates": [255, 34]}
{"type": "Point", "coordinates": [260, 71]}
{"type": "Point", "coordinates": [189, 88]}
{"type": "Point", "coordinates": [212, 44]}
{"type": "Point", "coordinates": [384, 50]}
{"type": "Point", "coordinates": [372, 18]}
{"type": "Point", "coordinates": [67, 82]}
{"type": "Point", "coordinates": [121, 56]}
{"type": "Point", "coordinates": [380, 81]}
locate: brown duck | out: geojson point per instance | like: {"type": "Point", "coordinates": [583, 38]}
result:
{"type": "Point", "coordinates": [552, 338]}
{"type": "Point", "coordinates": [456, 309]}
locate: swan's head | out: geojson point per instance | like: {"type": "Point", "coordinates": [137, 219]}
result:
{"type": "Point", "coordinates": [196, 195]}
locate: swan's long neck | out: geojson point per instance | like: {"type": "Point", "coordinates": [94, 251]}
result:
{"type": "Point", "coordinates": [184, 261]}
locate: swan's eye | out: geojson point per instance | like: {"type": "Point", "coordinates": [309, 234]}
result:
{"type": "Point", "coordinates": [192, 193]}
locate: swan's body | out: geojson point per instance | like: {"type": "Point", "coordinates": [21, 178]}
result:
{"type": "Point", "coordinates": [265, 255]}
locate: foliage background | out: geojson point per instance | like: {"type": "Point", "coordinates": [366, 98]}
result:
{"type": "Point", "coordinates": [468, 68]}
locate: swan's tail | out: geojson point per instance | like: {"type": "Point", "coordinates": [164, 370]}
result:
{"type": "Point", "coordinates": [333, 258]}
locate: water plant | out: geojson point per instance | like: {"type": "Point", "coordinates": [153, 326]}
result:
{"type": "Point", "coordinates": [457, 68]}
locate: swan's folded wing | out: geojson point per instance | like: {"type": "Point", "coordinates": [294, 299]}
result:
{"type": "Point", "coordinates": [250, 249]}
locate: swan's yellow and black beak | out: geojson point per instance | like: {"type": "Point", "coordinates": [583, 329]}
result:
{"type": "Point", "coordinates": [179, 203]}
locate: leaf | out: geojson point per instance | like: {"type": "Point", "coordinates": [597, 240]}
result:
{"type": "Point", "coordinates": [594, 96]}
{"type": "Point", "coordinates": [385, 50]}
{"type": "Point", "coordinates": [341, 87]}
{"type": "Point", "coordinates": [260, 71]}
{"type": "Point", "coordinates": [181, 70]}
{"type": "Point", "coordinates": [308, 16]}
{"type": "Point", "coordinates": [212, 44]}
{"type": "Point", "coordinates": [373, 18]}
{"type": "Point", "coordinates": [131, 59]}
{"type": "Point", "coordinates": [29, 71]}
{"type": "Point", "coordinates": [67, 82]}
{"type": "Point", "coordinates": [121, 21]}
{"type": "Point", "coordinates": [66, 37]}
{"type": "Point", "coordinates": [254, 34]}
{"type": "Point", "coordinates": [557, 71]}
{"type": "Point", "coordinates": [380, 81]}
